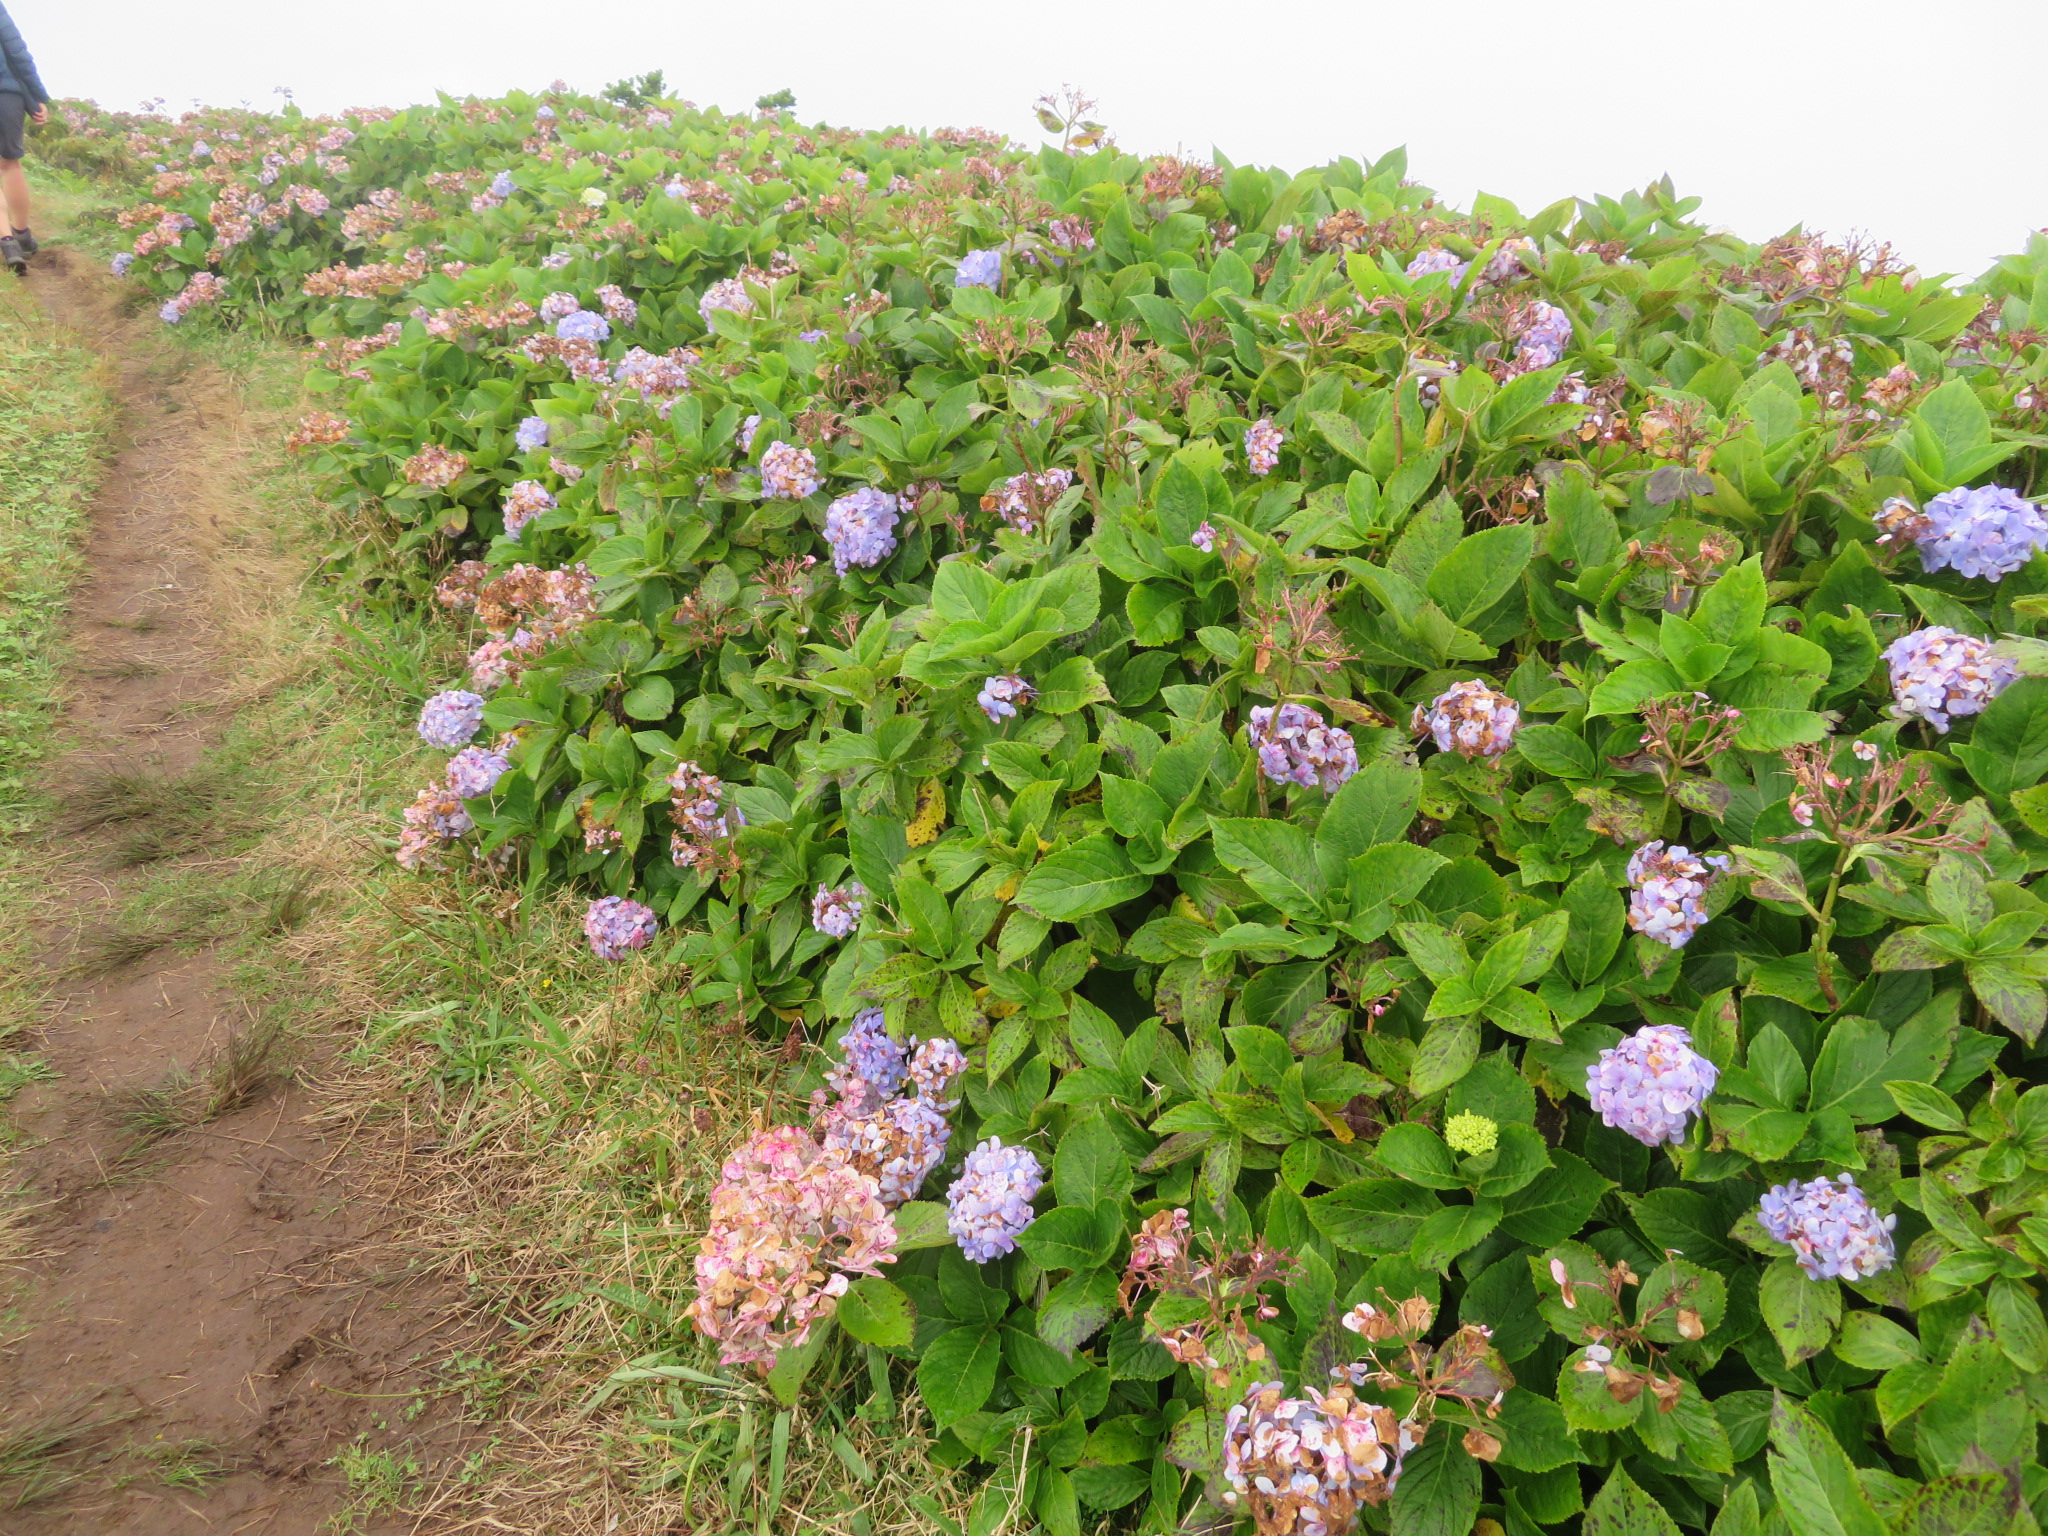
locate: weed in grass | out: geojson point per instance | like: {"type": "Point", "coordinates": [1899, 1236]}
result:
{"type": "Point", "coordinates": [184, 1463]}
{"type": "Point", "coordinates": [105, 950]}
{"type": "Point", "coordinates": [377, 1482]}
{"type": "Point", "coordinates": [18, 1069]}
{"type": "Point", "coordinates": [288, 901]}
{"type": "Point", "coordinates": [160, 817]}
{"type": "Point", "coordinates": [39, 1453]}
{"type": "Point", "coordinates": [229, 1078]}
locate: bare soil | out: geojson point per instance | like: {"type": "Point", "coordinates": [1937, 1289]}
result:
{"type": "Point", "coordinates": [235, 1284]}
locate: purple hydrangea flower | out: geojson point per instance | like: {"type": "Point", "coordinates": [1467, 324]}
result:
{"type": "Point", "coordinates": [1003, 695]}
{"type": "Point", "coordinates": [675, 188]}
{"type": "Point", "coordinates": [745, 436]}
{"type": "Point", "coordinates": [615, 925]}
{"type": "Point", "coordinates": [1262, 442]}
{"type": "Point", "coordinates": [872, 1057]}
{"type": "Point", "coordinates": [501, 184]}
{"type": "Point", "coordinates": [815, 338]}
{"type": "Point", "coordinates": [861, 528]}
{"type": "Point", "coordinates": [1651, 1083]}
{"type": "Point", "coordinates": [584, 325]}
{"type": "Point", "coordinates": [1669, 884]}
{"type": "Point", "coordinates": [1204, 538]}
{"type": "Point", "coordinates": [1989, 532]}
{"type": "Point", "coordinates": [448, 720]}
{"type": "Point", "coordinates": [122, 262]}
{"type": "Point", "coordinates": [170, 314]}
{"type": "Point", "coordinates": [979, 269]}
{"type": "Point", "coordinates": [990, 1203]}
{"type": "Point", "coordinates": [1938, 673]}
{"type": "Point", "coordinates": [1544, 335]}
{"type": "Point", "coordinates": [1296, 746]}
{"type": "Point", "coordinates": [835, 910]}
{"type": "Point", "coordinates": [727, 293]}
{"type": "Point", "coordinates": [1834, 1233]}
{"type": "Point", "coordinates": [523, 503]}
{"type": "Point", "coordinates": [1437, 259]}
{"type": "Point", "coordinates": [1470, 719]}
{"type": "Point", "coordinates": [788, 473]}
{"type": "Point", "coordinates": [475, 771]}
{"type": "Point", "coordinates": [532, 434]}
{"type": "Point", "coordinates": [544, 112]}
{"type": "Point", "coordinates": [554, 261]}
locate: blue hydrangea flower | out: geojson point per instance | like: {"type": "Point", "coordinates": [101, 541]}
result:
{"type": "Point", "coordinates": [979, 269]}
{"type": "Point", "coordinates": [1651, 1084]}
{"type": "Point", "coordinates": [1938, 673]}
{"type": "Point", "coordinates": [836, 909]}
{"type": "Point", "coordinates": [1670, 884]}
{"type": "Point", "coordinates": [532, 434]}
{"type": "Point", "coordinates": [861, 528]}
{"type": "Point", "coordinates": [448, 720]}
{"type": "Point", "coordinates": [501, 184]}
{"type": "Point", "coordinates": [614, 925]}
{"type": "Point", "coordinates": [475, 771]}
{"type": "Point", "coordinates": [1834, 1233]}
{"type": "Point", "coordinates": [122, 262]}
{"type": "Point", "coordinates": [1988, 531]}
{"type": "Point", "coordinates": [813, 337]}
{"type": "Point", "coordinates": [1003, 695]}
{"type": "Point", "coordinates": [584, 325]}
{"type": "Point", "coordinates": [872, 1056]}
{"type": "Point", "coordinates": [990, 1203]}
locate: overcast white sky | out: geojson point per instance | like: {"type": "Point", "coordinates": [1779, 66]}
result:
{"type": "Point", "coordinates": [1916, 123]}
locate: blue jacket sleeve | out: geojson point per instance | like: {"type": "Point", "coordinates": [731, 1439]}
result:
{"type": "Point", "coordinates": [19, 63]}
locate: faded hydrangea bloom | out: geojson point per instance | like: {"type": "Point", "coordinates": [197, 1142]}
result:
{"type": "Point", "coordinates": [618, 308]}
{"type": "Point", "coordinates": [584, 325]}
{"type": "Point", "coordinates": [1988, 532]}
{"type": "Point", "coordinates": [1834, 1233]}
{"type": "Point", "coordinates": [475, 771]}
{"type": "Point", "coordinates": [1652, 1084]}
{"type": "Point", "coordinates": [861, 528]}
{"type": "Point", "coordinates": [727, 293]}
{"type": "Point", "coordinates": [1023, 500]}
{"type": "Point", "coordinates": [1938, 674]}
{"type": "Point", "coordinates": [557, 306]}
{"type": "Point", "coordinates": [899, 1144]}
{"type": "Point", "coordinates": [532, 434]}
{"type": "Point", "coordinates": [898, 1140]}
{"type": "Point", "coordinates": [614, 925]}
{"type": "Point", "coordinates": [990, 1203]}
{"type": "Point", "coordinates": [1003, 695]}
{"type": "Point", "coordinates": [434, 467]}
{"type": "Point", "coordinates": [788, 473]}
{"type": "Point", "coordinates": [935, 1066]}
{"type": "Point", "coordinates": [1437, 259]}
{"type": "Point", "coordinates": [1296, 746]}
{"type": "Point", "coordinates": [979, 269]}
{"type": "Point", "coordinates": [448, 720]}
{"type": "Point", "coordinates": [1507, 266]}
{"type": "Point", "coordinates": [1471, 719]}
{"type": "Point", "coordinates": [436, 818]}
{"type": "Point", "coordinates": [835, 910]}
{"type": "Point", "coordinates": [523, 503]}
{"type": "Point", "coordinates": [703, 823]}
{"type": "Point", "coordinates": [789, 1222]}
{"type": "Point", "coordinates": [1305, 1465]}
{"type": "Point", "coordinates": [1262, 442]}
{"type": "Point", "coordinates": [1669, 884]}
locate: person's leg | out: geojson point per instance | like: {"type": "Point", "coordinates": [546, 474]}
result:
{"type": "Point", "coordinates": [14, 189]}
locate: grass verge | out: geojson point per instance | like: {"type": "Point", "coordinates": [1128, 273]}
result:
{"type": "Point", "coordinates": [553, 1124]}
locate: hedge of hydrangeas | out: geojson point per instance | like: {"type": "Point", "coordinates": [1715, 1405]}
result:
{"type": "Point", "coordinates": [1410, 835]}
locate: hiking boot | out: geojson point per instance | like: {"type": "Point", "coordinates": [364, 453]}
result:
{"type": "Point", "coordinates": [12, 254]}
{"type": "Point", "coordinates": [28, 242]}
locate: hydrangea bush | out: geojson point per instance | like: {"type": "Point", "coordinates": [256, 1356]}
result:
{"type": "Point", "coordinates": [1461, 790]}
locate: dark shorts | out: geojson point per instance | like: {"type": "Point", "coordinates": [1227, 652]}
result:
{"type": "Point", "coordinates": [13, 111]}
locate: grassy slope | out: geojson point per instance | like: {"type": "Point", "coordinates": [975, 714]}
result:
{"type": "Point", "coordinates": [555, 1123]}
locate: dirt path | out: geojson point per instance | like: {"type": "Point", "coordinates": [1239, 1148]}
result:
{"type": "Point", "coordinates": [227, 1287]}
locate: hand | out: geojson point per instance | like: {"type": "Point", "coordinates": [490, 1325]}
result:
{"type": "Point", "coordinates": [40, 116]}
